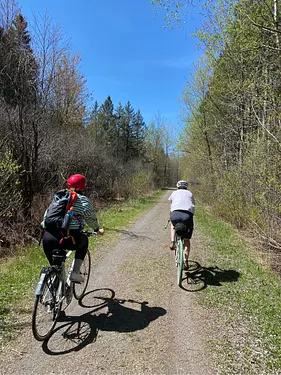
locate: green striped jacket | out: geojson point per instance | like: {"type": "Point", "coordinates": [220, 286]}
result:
{"type": "Point", "coordinates": [84, 213]}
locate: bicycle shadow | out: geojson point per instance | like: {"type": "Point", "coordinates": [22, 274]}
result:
{"type": "Point", "coordinates": [76, 332]}
{"type": "Point", "coordinates": [130, 234]}
{"type": "Point", "coordinates": [198, 277]}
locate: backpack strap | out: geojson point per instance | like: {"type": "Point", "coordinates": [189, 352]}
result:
{"type": "Point", "coordinates": [73, 198]}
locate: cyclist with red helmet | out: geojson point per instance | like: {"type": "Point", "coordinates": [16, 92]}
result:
{"type": "Point", "coordinates": [181, 216]}
{"type": "Point", "coordinates": [83, 213]}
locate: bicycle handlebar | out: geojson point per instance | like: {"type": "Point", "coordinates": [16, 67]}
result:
{"type": "Point", "coordinates": [167, 223]}
{"type": "Point", "coordinates": [90, 233]}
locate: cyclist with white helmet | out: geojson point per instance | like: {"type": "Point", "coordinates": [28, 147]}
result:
{"type": "Point", "coordinates": [83, 213]}
{"type": "Point", "coordinates": [181, 215]}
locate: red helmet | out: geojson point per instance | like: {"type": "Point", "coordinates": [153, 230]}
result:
{"type": "Point", "coordinates": [77, 182]}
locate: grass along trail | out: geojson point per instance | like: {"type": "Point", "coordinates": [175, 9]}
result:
{"type": "Point", "coordinates": [243, 296]}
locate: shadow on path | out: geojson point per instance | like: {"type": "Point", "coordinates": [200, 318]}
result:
{"type": "Point", "coordinates": [76, 332]}
{"type": "Point", "coordinates": [198, 277]}
{"type": "Point", "coordinates": [129, 233]}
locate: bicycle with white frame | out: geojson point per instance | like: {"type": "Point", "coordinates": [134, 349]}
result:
{"type": "Point", "coordinates": [55, 290]}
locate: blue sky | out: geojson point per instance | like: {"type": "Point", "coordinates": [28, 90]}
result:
{"type": "Point", "coordinates": [126, 53]}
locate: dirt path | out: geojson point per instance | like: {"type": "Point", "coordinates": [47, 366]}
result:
{"type": "Point", "coordinates": [133, 320]}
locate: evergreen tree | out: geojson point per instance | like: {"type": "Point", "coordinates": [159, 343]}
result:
{"type": "Point", "coordinates": [18, 67]}
{"type": "Point", "coordinates": [106, 134]}
{"type": "Point", "coordinates": [127, 132]}
{"type": "Point", "coordinates": [120, 125]}
{"type": "Point", "coordinates": [93, 120]}
{"type": "Point", "coordinates": [138, 134]}
{"type": "Point", "coordinates": [18, 89]}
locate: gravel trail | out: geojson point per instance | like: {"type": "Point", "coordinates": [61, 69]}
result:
{"type": "Point", "coordinates": [134, 318]}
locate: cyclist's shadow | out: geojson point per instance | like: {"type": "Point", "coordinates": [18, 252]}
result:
{"type": "Point", "coordinates": [198, 277]}
{"type": "Point", "coordinates": [76, 332]}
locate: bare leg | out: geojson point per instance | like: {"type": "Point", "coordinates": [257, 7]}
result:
{"type": "Point", "coordinates": [172, 244]}
{"type": "Point", "coordinates": [186, 252]}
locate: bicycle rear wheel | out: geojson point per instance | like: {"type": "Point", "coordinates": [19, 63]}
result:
{"type": "Point", "coordinates": [46, 310]}
{"type": "Point", "coordinates": [80, 288]}
{"type": "Point", "coordinates": [179, 260]}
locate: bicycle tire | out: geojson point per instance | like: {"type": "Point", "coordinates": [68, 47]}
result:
{"type": "Point", "coordinates": [45, 310]}
{"type": "Point", "coordinates": [179, 249]}
{"type": "Point", "coordinates": [79, 289]}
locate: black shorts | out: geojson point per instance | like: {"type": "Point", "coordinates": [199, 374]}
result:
{"type": "Point", "coordinates": [182, 222]}
{"type": "Point", "coordinates": [51, 242]}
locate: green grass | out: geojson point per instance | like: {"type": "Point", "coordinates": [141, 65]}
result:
{"type": "Point", "coordinates": [247, 303]}
{"type": "Point", "coordinates": [19, 274]}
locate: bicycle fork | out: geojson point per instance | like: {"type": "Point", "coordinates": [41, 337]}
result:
{"type": "Point", "coordinates": [39, 287]}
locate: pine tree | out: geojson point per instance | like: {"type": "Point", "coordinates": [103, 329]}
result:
{"type": "Point", "coordinates": [138, 135]}
{"type": "Point", "coordinates": [106, 134]}
{"type": "Point", "coordinates": [127, 131]}
{"type": "Point", "coordinates": [120, 125]}
{"type": "Point", "coordinates": [18, 67]}
{"type": "Point", "coordinates": [93, 120]}
{"type": "Point", "coordinates": [18, 89]}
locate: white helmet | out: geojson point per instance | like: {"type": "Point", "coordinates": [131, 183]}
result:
{"type": "Point", "coordinates": [182, 184]}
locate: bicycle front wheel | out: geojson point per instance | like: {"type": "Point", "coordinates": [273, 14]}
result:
{"type": "Point", "coordinates": [80, 288]}
{"type": "Point", "coordinates": [179, 257]}
{"type": "Point", "coordinates": [45, 310]}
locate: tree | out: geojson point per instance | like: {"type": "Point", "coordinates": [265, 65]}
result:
{"type": "Point", "coordinates": [155, 154]}
{"type": "Point", "coordinates": [68, 93]}
{"type": "Point", "coordinates": [120, 125]}
{"type": "Point", "coordinates": [106, 126]}
{"type": "Point", "coordinates": [18, 82]}
{"type": "Point", "coordinates": [233, 124]}
{"type": "Point", "coordinates": [138, 134]}
{"type": "Point", "coordinates": [175, 11]}
{"type": "Point", "coordinates": [18, 74]}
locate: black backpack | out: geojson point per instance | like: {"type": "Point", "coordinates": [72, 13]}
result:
{"type": "Point", "coordinates": [182, 229]}
{"type": "Point", "coordinates": [57, 218]}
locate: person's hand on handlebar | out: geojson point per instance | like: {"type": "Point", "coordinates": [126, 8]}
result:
{"type": "Point", "coordinates": [99, 231]}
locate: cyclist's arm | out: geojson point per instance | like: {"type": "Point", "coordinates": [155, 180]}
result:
{"type": "Point", "coordinates": [171, 197]}
{"type": "Point", "coordinates": [90, 214]}
{"type": "Point", "coordinates": [193, 202]}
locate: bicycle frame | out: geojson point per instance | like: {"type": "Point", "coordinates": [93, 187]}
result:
{"type": "Point", "coordinates": [64, 281]}
{"type": "Point", "coordinates": [65, 284]}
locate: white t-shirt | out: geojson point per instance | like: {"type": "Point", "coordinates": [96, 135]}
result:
{"type": "Point", "coordinates": [182, 199]}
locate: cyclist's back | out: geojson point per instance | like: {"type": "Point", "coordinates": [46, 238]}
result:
{"type": "Point", "coordinates": [182, 200]}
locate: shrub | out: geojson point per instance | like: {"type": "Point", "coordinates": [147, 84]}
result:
{"type": "Point", "coordinates": [10, 197]}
